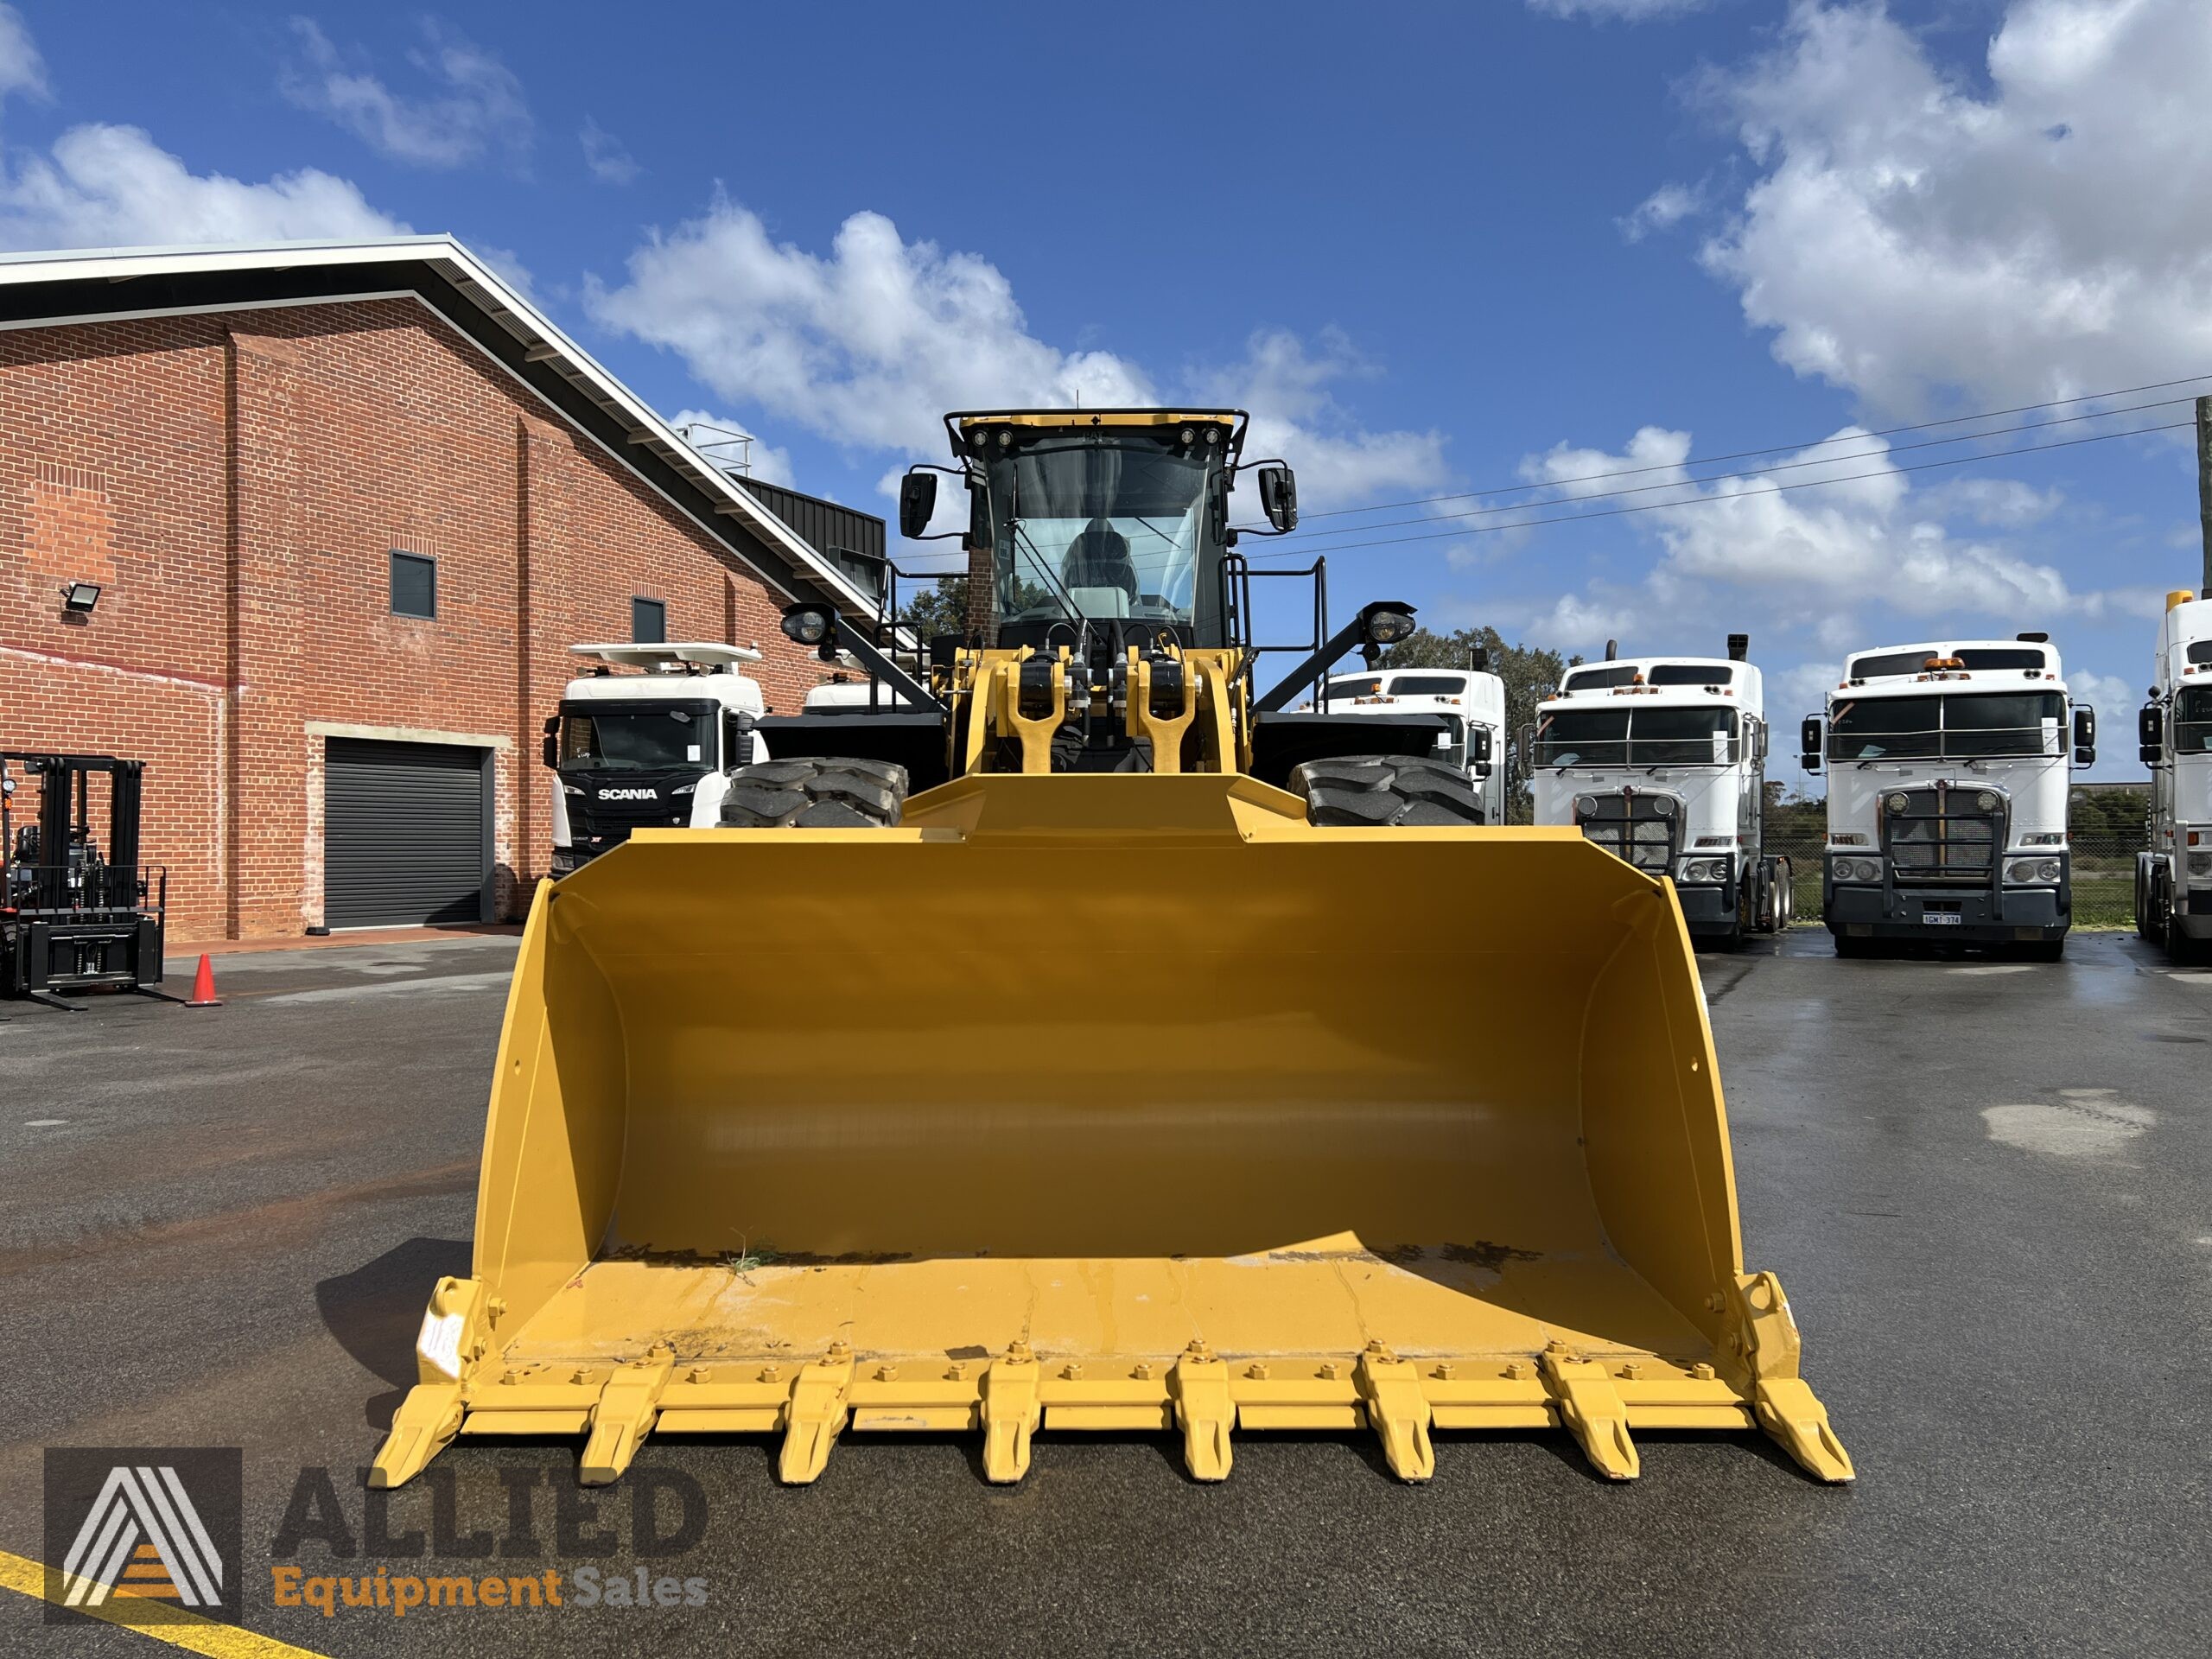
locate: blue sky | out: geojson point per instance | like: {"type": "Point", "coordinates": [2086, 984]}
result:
{"type": "Point", "coordinates": [1434, 248]}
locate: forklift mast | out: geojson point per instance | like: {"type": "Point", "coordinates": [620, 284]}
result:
{"type": "Point", "coordinates": [72, 918]}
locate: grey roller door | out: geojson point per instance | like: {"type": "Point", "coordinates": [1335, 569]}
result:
{"type": "Point", "coordinates": [404, 834]}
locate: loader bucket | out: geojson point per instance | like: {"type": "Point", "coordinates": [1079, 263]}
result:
{"type": "Point", "coordinates": [1106, 1102]}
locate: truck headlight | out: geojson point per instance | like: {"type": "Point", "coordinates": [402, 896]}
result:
{"type": "Point", "coordinates": [2200, 866]}
{"type": "Point", "coordinates": [1858, 869]}
{"type": "Point", "coordinates": [2022, 871]}
{"type": "Point", "coordinates": [2047, 870]}
{"type": "Point", "coordinates": [1704, 869]}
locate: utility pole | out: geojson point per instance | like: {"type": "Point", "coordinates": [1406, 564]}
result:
{"type": "Point", "coordinates": [2205, 488]}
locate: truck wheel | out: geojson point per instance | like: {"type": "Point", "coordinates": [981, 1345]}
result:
{"type": "Point", "coordinates": [1376, 789]}
{"type": "Point", "coordinates": [831, 794]}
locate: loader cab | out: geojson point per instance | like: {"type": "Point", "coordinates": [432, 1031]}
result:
{"type": "Point", "coordinates": [633, 750]}
{"type": "Point", "coordinates": [1112, 524]}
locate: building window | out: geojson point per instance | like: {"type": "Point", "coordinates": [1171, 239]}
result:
{"type": "Point", "coordinates": [648, 622]}
{"type": "Point", "coordinates": [414, 585]}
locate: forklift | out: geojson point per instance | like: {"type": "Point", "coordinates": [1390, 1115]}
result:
{"type": "Point", "coordinates": [72, 919]}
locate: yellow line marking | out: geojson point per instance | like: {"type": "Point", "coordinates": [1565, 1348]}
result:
{"type": "Point", "coordinates": [190, 1632]}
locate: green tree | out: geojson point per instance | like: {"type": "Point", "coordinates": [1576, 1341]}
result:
{"type": "Point", "coordinates": [938, 607]}
{"type": "Point", "coordinates": [1530, 675]}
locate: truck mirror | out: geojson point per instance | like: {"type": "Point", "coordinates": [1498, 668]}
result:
{"type": "Point", "coordinates": [2150, 734]}
{"type": "Point", "coordinates": [551, 725]}
{"type": "Point", "coordinates": [917, 505]}
{"type": "Point", "coordinates": [1810, 740]}
{"type": "Point", "coordinates": [1279, 497]}
{"type": "Point", "coordinates": [551, 751]}
{"type": "Point", "coordinates": [1525, 747]}
{"type": "Point", "coordinates": [2085, 736]}
{"type": "Point", "coordinates": [1478, 744]}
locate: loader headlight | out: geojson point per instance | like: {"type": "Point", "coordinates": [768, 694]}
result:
{"type": "Point", "coordinates": [807, 624]}
{"type": "Point", "coordinates": [1380, 625]}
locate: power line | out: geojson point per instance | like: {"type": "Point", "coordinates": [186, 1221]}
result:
{"type": "Point", "coordinates": [1707, 500]}
{"type": "Point", "coordinates": [1773, 449]}
{"type": "Point", "coordinates": [1753, 472]}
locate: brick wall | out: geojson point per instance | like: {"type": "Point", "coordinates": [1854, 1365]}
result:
{"type": "Point", "coordinates": [237, 483]}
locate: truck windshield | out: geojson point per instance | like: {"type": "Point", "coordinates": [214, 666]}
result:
{"type": "Point", "coordinates": [1953, 726]}
{"type": "Point", "coordinates": [637, 736]}
{"type": "Point", "coordinates": [1640, 737]}
{"type": "Point", "coordinates": [1111, 524]}
{"type": "Point", "coordinates": [2193, 721]}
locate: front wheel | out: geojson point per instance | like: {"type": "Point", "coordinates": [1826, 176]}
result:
{"type": "Point", "coordinates": [836, 793]}
{"type": "Point", "coordinates": [1378, 790]}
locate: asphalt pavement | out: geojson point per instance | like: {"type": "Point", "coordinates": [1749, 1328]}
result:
{"type": "Point", "coordinates": [1984, 1183]}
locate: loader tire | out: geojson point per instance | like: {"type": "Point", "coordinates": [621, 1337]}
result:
{"type": "Point", "coordinates": [833, 794]}
{"type": "Point", "coordinates": [1376, 789]}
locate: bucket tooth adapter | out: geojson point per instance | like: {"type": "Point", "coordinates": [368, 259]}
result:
{"type": "Point", "coordinates": [1074, 1037]}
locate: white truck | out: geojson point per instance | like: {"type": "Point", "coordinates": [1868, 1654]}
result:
{"type": "Point", "coordinates": [654, 748]}
{"type": "Point", "coordinates": [1472, 702]}
{"type": "Point", "coordinates": [1949, 772]}
{"type": "Point", "coordinates": [1662, 760]}
{"type": "Point", "coordinates": [2173, 879]}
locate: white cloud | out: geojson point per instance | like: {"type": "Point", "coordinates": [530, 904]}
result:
{"type": "Point", "coordinates": [1861, 538]}
{"type": "Point", "coordinates": [1663, 209]}
{"type": "Point", "coordinates": [477, 111]}
{"type": "Point", "coordinates": [1634, 12]}
{"type": "Point", "coordinates": [22, 69]}
{"type": "Point", "coordinates": [105, 186]}
{"type": "Point", "coordinates": [1910, 233]}
{"type": "Point", "coordinates": [1999, 503]}
{"type": "Point", "coordinates": [2115, 701]}
{"type": "Point", "coordinates": [606, 156]}
{"type": "Point", "coordinates": [869, 344]}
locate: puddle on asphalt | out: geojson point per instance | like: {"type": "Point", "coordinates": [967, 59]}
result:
{"type": "Point", "coordinates": [2085, 1123]}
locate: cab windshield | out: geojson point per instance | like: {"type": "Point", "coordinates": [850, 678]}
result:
{"type": "Point", "coordinates": [1639, 737]}
{"type": "Point", "coordinates": [1112, 524]}
{"type": "Point", "coordinates": [637, 736]}
{"type": "Point", "coordinates": [1973, 727]}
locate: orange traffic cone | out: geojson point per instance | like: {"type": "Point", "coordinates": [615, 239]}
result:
{"type": "Point", "coordinates": [203, 985]}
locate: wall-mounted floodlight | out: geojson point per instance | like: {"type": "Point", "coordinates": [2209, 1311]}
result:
{"type": "Point", "coordinates": [79, 598]}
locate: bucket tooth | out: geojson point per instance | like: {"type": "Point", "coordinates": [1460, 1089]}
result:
{"type": "Point", "coordinates": [1593, 1412]}
{"type": "Point", "coordinates": [815, 1413]}
{"type": "Point", "coordinates": [1011, 1414]}
{"type": "Point", "coordinates": [1787, 1411]}
{"type": "Point", "coordinates": [1204, 1412]}
{"type": "Point", "coordinates": [626, 1407]}
{"type": "Point", "coordinates": [424, 1426]}
{"type": "Point", "coordinates": [1398, 1410]}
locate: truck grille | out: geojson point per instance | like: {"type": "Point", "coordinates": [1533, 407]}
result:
{"type": "Point", "coordinates": [1644, 829]}
{"type": "Point", "coordinates": [1943, 833]}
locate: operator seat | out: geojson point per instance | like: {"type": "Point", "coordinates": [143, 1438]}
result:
{"type": "Point", "coordinates": [1096, 567]}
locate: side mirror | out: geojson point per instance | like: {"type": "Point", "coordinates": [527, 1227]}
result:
{"type": "Point", "coordinates": [1758, 739]}
{"type": "Point", "coordinates": [1525, 746]}
{"type": "Point", "coordinates": [551, 751]}
{"type": "Point", "coordinates": [1279, 497]}
{"type": "Point", "coordinates": [1811, 739]}
{"type": "Point", "coordinates": [552, 726]}
{"type": "Point", "coordinates": [917, 505]}
{"type": "Point", "coordinates": [1478, 744]}
{"type": "Point", "coordinates": [2150, 734]}
{"type": "Point", "coordinates": [737, 741]}
{"type": "Point", "coordinates": [2085, 736]}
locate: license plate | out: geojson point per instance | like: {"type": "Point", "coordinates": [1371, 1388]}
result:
{"type": "Point", "coordinates": [1941, 918]}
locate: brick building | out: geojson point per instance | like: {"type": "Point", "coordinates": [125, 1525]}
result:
{"type": "Point", "coordinates": [347, 506]}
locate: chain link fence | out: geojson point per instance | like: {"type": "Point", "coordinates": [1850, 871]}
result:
{"type": "Point", "coordinates": [2104, 870]}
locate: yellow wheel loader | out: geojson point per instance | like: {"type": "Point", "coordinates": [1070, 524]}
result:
{"type": "Point", "coordinates": [1071, 1037]}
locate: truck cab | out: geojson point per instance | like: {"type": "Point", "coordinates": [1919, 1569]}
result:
{"type": "Point", "coordinates": [1471, 701]}
{"type": "Point", "coordinates": [2173, 877]}
{"type": "Point", "coordinates": [1662, 761]}
{"type": "Point", "coordinates": [1949, 771]}
{"type": "Point", "coordinates": [648, 747]}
